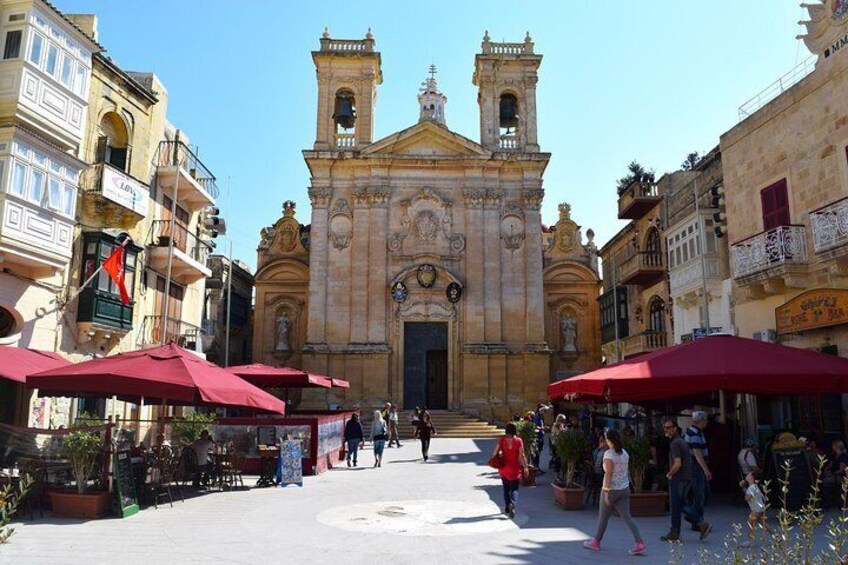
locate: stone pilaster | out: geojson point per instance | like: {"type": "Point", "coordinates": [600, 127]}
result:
{"type": "Point", "coordinates": [319, 196]}
{"type": "Point", "coordinates": [359, 266]}
{"type": "Point", "coordinates": [378, 274]}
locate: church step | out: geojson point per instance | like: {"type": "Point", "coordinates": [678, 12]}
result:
{"type": "Point", "coordinates": [448, 424]}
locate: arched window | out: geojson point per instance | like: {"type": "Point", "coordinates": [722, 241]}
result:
{"type": "Point", "coordinates": [656, 319]}
{"type": "Point", "coordinates": [113, 146]}
{"type": "Point", "coordinates": [653, 248]}
{"type": "Point", "coordinates": [508, 114]}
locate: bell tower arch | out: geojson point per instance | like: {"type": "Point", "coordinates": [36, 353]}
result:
{"type": "Point", "coordinates": [505, 75]}
{"type": "Point", "coordinates": [348, 72]}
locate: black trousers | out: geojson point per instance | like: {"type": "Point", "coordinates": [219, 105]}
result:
{"type": "Point", "coordinates": [425, 447]}
{"type": "Point", "coordinates": [510, 490]}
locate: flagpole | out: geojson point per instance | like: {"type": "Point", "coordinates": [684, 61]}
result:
{"type": "Point", "coordinates": [229, 307]}
{"type": "Point", "coordinates": [78, 291]}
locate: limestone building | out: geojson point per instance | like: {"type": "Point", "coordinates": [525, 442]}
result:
{"type": "Point", "coordinates": [425, 275]}
{"type": "Point", "coordinates": [634, 304]}
{"type": "Point", "coordinates": [786, 182]}
{"type": "Point", "coordinates": [231, 283]}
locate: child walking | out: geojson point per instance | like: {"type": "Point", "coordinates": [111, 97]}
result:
{"type": "Point", "coordinates": [756, 504]}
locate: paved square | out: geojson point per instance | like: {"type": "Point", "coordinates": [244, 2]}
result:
{"type": "Point", "coordinates": [445, 511]}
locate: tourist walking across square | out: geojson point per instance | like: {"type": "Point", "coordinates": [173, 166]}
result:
{"type": "Point", "coordinates": [679, 476]}
{"type": "Point", "coordinates": [510, 451]}
{"type": "Point", "coordinates": [378, 437]}
{"type": "Point", "coordinates": [701, 475]}
{"type": "Point", "coordinates": [424, 433]}
{"type": "Point", "coordinates": [616, 494]}
{"type": "Point", "coordinates": [393, 425]}
{"type": "Point", "coordinates": [355, 437]}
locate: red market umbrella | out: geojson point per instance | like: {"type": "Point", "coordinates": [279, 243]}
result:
{"type": "Point", "coordinates": [284, 377]}
{"type": "Point", "coordinates": [168, 374]}
{"type": "Point", "coordinates": [340, 383]}
{"type": "Point", "coordinates": [715, 363]}
{"type": "Point", "coordinates": [18, 362]}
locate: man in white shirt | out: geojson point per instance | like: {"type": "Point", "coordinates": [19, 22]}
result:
{"type": "Point", "coordinates": [201, 447]}
{"type": "Point", "coordinates": [747, 458]}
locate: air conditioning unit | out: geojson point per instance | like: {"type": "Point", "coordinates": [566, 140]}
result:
{"type": "Point", "coordinates": [766, 335]}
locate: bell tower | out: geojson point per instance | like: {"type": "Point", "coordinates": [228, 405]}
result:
{"type": "Point", "coordinates": [505, 75]}
{"type": "Point", "coordinates": [348, 72]}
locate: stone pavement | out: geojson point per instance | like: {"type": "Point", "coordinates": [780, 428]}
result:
{"type": "Point", "coordinates": [445, 511]}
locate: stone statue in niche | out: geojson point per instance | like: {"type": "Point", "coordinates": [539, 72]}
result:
{"type": "Point", "coordinates": [569, 334]}
{"type": "Point", "coordinates": [283, 327]}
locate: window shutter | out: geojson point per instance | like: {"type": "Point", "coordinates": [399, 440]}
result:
{"type": "Point", "coordinates": [101, 149]}
{"type": "Point", "coordinates": [775, 201]}
{"type": "Point", "coordinates": [12, 48]}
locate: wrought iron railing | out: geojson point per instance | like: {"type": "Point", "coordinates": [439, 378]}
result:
{"type": "Point", "coordinates": [174, 330]}
{"type": "Point", "coordinates": [178, 154]}
{"type": "Point", "coordinates": [781, 245]}
{"type": "Point", "coordinates": [830, 225]}
{"type": "Point", "coordinates": [181, 238]}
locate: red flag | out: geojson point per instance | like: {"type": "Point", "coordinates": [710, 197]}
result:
{"type": "Point", "coordinates": [116, 267]}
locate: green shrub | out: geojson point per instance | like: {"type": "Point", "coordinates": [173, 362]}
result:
{"type": "Point", "coordinates": [639, 450]}
{"type": "Point", "coordinates": [528, 434]}
{"type": "Point", "coordinates": [188, 429]}
{"type": "Point", "coordinates": [570, 446]}
{"type": "Point", "coordinates": [81, 449]}
{"type": "Point", "coordinates": [10, 499]}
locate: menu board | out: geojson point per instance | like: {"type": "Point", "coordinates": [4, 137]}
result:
{"type": "Point", "coordinates": [124, 484]}
{"type": "Point", "coordinates": [800, 475]}
{"type": "Point", "coordinates": [266, 435]}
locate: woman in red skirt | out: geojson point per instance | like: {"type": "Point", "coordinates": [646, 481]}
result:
{"type": "Point", "coordinates": [510, 450]}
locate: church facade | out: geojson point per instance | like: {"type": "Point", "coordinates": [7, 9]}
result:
{"type": "Point", "coordinates": [425, 275]}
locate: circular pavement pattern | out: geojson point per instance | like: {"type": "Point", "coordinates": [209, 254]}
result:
{"type": "Point", "coordinates": [421, 518]}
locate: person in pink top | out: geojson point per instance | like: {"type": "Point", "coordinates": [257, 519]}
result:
{"type": "Point", "coordinates": [510, 450]}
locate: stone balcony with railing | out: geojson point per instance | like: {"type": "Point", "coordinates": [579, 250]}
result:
{"type": "Point", "coordinates": [637, 199]}
{"type": "Point", "coordinates": [643, 268]}
{"type": "Point", "coordinates": [509, 142]}
{"type": "Point", "coordinates": [773, 258]}
{"type": "Point", "coordinates": [644, 342]}
{"type": "Point", "coordinates": [830, 228]}
{"type": "Point", "coordinates": [345, 140]}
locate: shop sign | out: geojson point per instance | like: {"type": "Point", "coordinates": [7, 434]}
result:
{"type": "Point", "coordinates": [123, 190]}
{"type": "Point", "coordinates": [813, 309]}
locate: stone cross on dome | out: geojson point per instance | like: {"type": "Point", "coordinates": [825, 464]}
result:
{"type": "Point", "coordinates": [431, 102]}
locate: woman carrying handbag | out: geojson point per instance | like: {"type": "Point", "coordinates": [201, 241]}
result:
{"type": "Point", "coordinates": [508, 459]}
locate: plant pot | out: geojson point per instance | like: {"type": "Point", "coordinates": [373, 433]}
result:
{"type": "Point", "coordinates": [529, 479]}
{"type": "Point", "coordinates": [649, 503]}
{"type": "Point", "coordinates": [69, 504]}
{"type": "Point", "coordinates": [568, 498]}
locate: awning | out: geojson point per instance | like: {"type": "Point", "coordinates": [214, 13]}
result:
{"type": "Point", "coordinates": [714, 363]}
{"type": "Point", "coordinates": [167, 374]}
{"type": "Point", "coordinates": [18, 362]}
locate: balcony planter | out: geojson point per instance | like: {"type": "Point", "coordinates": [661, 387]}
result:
{"type": "Point", "coordinates": [70, 504]}
{"type": "Point", "coordinates": [568, 498]}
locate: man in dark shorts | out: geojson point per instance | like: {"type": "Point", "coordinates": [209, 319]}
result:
{"type": "Point", "coordinates": [679, 474]}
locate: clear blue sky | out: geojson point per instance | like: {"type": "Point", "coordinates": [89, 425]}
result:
{"type": "Point", "coordinates": [650, 80]}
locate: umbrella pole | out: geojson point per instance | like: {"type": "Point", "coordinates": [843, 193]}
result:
{"type": "Point", "coordinates": [722, 407]}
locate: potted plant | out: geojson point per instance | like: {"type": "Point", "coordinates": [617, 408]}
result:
{"type": "Point", "coordinates": [188, 429]}
{"type": "Point", "coordinates": [81, 448]}
{"type": "Point", "coordinates": [570, 446]}
{"type": "Point", "coordinates": [528, 434]}
{"type": "Point", "coordinates": [642, 502]}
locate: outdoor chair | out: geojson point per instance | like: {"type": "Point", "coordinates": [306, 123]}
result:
{"type": "Point", "coordinates": [37, 472]}
{"type": "Point", "coordinates": [591, 483]}
{"type": "Point", "coordinates": [164, 470]}
{"type": "Point", "coordinates": [188, 471]}
{"type": "Point", "coordinates": [232, 471]}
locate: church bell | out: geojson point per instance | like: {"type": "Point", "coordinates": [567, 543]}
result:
{"type": "Point", "coordinates": [344, 115]}
{"type": "Point", "coordinates": [509, 112]}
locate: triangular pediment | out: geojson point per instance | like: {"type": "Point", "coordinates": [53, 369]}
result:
{"type": "Point", "coordinates": [426, 139]}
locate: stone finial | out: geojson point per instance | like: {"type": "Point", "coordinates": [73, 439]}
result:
{"type": "Point", "coordinates": [326, 34]}
{"type": "Point", "coordinates": [527, 38]}
{"type": "Point", "coordinates": [369, 35]}
{"type": "Point", "coordinates": [590, 237]}
{"type": "Point", "coordinates": [565, 211]}
{"type": "Point", "coordinates": [486, 37]}
{"type": "Point", "coordinates": [289, 208]}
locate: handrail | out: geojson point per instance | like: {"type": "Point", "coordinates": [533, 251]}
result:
{"type": "Point", "coordinates": [183, 240]}
{"type": "Point", "coordinates": [178, 154]}
{"type": "Point", "coordinates": [772, 91]}
{"type": "Point", "coordinates": [766, 231]}
{"type": "Point", "coordinates": [828, 205]}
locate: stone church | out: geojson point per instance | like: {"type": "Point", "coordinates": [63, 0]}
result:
{"type": "Point", "coordinates": [425, 275]}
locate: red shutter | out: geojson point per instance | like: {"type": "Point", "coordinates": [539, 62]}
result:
{"type": "Point", "coordinates": [775, 201]}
